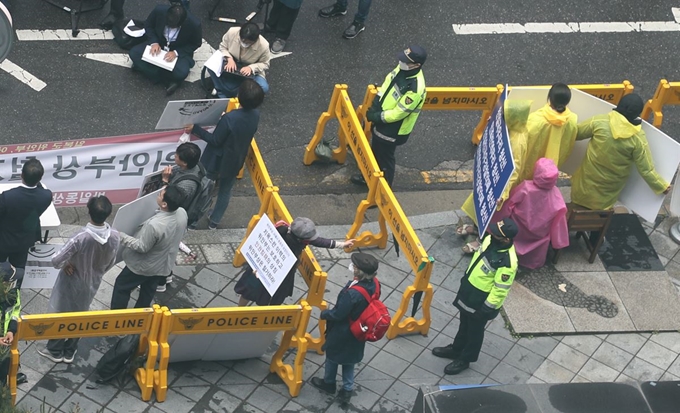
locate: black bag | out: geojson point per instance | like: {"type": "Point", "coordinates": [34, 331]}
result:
{"type": "Point", "coordinates": [123, 39]}
{"type": "Point", "coordinates": [200, 204]}
{"type": "Point", "coordinates": [116, 362]}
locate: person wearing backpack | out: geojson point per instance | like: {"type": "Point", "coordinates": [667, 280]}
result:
{"type": "Point", "coordinates": [341, 346]}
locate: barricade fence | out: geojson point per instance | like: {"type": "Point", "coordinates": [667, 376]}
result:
{"type": "Point", "coordinates": [667, 93]}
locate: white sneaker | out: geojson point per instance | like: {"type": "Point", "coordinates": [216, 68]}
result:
{"type": "Point", "coordinates": [214, 92]}
{"type": "Point", "coordinates": [68, 357]}
{"type": "Point", "coordinates": [168, 279]}
{"type": "Point", "coordinates": [161, 288]}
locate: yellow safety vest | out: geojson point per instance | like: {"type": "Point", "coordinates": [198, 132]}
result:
{"type": "Point", "coordinates": [401, 107]}
{"type": "Point", "coordinates": [495, 281]}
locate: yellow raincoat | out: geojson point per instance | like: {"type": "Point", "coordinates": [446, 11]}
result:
{"type": "Point", "coordinates": [551, 135]}
{"type": "Point", "coordinates": [516, 113]}
{"type": "Point", "coordinates": [615, 145]}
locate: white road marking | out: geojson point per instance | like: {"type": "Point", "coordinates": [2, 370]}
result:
{"type": "Point", "coordinates": [23, 75]}
{"type": "Point", "coordinates": [557, 27]}
{"type": "Point", "coordinates": [60, 34]}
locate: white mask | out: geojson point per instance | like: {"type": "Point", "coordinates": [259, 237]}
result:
{"type": "Point", "coordinates": [403, 66]}
{"type": "Point", "coordinates": [351, 267]}
{"type": "Point", "coordinates": [244, 45]}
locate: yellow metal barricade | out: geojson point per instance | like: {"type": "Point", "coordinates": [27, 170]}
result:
{"type": "Point", "coordinates": [667, 93]}
{"type": "Point", "coordinates": [610, 92]}
{"type": "Point", "coordinates": [292, 319]}
{"type": "Point", "coordinates": [142, 321]}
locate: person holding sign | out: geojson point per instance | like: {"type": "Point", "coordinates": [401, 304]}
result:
{"type": "Point", "coordinates": [297, 236]}
{"type": "Point", "coordinates": [617, 141]}
{"type": "Point", "coordinates": [83, 260]}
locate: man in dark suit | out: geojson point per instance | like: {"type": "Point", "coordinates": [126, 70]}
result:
{"type": "Point", "coordinates": [169, 28]}
{"type": "Point", "coordinates": [20, 210]}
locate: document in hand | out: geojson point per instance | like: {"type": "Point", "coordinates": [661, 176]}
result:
{"type": "Point", "coordinates": [158, 60]}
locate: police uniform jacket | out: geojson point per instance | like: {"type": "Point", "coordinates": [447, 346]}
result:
{"type": "Point", "coordinates": [484, 289]}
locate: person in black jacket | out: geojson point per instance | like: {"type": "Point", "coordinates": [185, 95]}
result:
{"type": "Point", "coordinates": [169, 28]}
{"type": "Point", "coordinates": [229, 143]}
{"type": "Point", "coordinates": [20, 210]}
{"type": "Point", "coordinates": [341, 347]}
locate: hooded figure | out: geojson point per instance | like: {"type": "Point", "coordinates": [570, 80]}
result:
{"type": "Point", "coordinates": [539, 210]}
{"type": "Point", "coordinates": [552, 131]}
{"type": "Point", "coordinates": [617, 141]}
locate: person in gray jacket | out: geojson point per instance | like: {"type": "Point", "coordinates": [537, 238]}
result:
{"type": "Point", "coordinates": [150, 255]}
{"type": "Point", "coordinates": [83, 261]}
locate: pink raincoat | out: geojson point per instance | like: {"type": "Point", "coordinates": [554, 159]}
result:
{"type": "Point", "coordinates": [539, 210]}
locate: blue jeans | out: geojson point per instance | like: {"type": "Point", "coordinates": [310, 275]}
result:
{"type": "Point", "coordinates": [223, 197]}
{"type": "Point", "coordinates": [362, 11]}
{"type": "Point", "coordinates": [347, 374]}
{"type": "Point", "coordinates": [227, 85]}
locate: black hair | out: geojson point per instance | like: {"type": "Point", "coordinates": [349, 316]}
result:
{"type": "Point", "coordinates": [175, 15]}
{"type": "Point", "coordinates": [99, 208]}
{"type": "Point", "coordinates": [249, 31]}
{"type": "Point", "coordinates": [559, 97]}
{"type": "Point", "coordinates": [250, 94]}
{"type": "Point", "coordinates": [190, 153]}
{"type": "Point", "coordinates": [173, 197]}
{"type": "Point", "coordinates": [32, 172]}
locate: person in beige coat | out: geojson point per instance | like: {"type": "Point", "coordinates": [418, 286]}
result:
{"type": "Point", "coordinates": [246, 55]}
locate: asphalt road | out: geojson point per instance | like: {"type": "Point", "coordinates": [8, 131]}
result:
{"type": "Point", "coordinates": [85, 98]}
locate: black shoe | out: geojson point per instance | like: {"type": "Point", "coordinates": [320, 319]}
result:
{"type": "Point", "coordinates": [353, 30]}
{"type": "Point", "coordinates": [456, 366]}
{"type": "Point", "coordinates": [109, 20]}
{"type": "Point", "coordinates": [446, 352]}
{"type": "Point", "coordinates": [344, 396]}
{"type": "Point", "coordinates": [171, 88]}
{"type": "Point", "coordinates": [358, 179]}
{"type": "Point", "coordinates": [21, 378]}
{"type": "Point", "coordinates": [332, 11]}
{"type": "Point", "coordinates": [322, 385]}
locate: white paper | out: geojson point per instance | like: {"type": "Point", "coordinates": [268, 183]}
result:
{"type": "Point", "coordinates": [159, 59]}
{"type": "Point", "coordinates": [39, 270]}
{"type": "Point", "coordinates": [266, 252]}
{"type": "Point", "coordinates": [215, 62]}
{"type": "Point", "coordinates": [131, 32]}
{"type": "Point", "coordinates": [636, 194]}
{"type": "Point", "coordinates": [184, 138]}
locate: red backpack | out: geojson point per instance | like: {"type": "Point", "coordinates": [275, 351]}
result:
{"type": "Point", "coordinates": [374, 321]}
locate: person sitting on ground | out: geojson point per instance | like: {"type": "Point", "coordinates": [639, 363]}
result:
{"type": "Point", "coordinates": [297, 236]}
{"type": "Point", "coordinates": [169, 28]}
{"type": "Point", "coordinates": [538, 209]}
{"type": "Point", "coordinates": [246, 55]}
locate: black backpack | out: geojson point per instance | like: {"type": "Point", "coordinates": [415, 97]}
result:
{"type": "Point", "coordinates": [202, 197]}
{"type": "Point", "coordinates": [124, 40]}
{"type": "Point", "coordinates": [118, 361]}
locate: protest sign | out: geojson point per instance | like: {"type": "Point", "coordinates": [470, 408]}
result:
{"type": "Point", "coordinates": [130, 216]}
{"type": "Point", "coordinates": [493, 166]}
{"type": "Point", "coordinates": [267, 253]}
{"type": "Point", "coordinates": [179, 113]}
{"type": "Point", "coordinates": [39, 271]}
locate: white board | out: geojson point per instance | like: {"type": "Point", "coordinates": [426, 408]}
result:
{"type": "Point", "coordinates": [636, 194]}
{"type": "Point", "coordinates": [39, 271]}
{"type": "Point", "coordinates": [675, 200]}
{"type": "Point", "coordinates": [178, 113]}
{"type": "Point", "coordinates": [225, 346]}
{"type": "Point", "coordinates": [131, 215]}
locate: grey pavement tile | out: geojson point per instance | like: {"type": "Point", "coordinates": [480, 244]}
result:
{"type": "Point", "coordinates": [669, 377]}
{"type": "Point", "coordinates": [198, 258]}
{"type": "Point", "coordinates": [452, 281]}
{"type": "Point", "coordinates": [484, 365]}
{"type": "Point", "coordinates": [374, 379]}
{"type": "Point", "coordinates": [33, 404]}
{"type": "Point", "coordinates": [38, 305]}
{"type": "Point", "coordinates": [505, 373]}
{"type": "Point", "coordinates": [523, 359]}
{"type": "Point", "coordinates": [498, 327]}
{"type": "Point", "coordinates": [440, 272]}
{"type": "Point", "coordinates": [421, 339]}
{"type": "Point", "coordinates": [551, 372]}
{"type": "Point", "coordinates": [586, 344]}
{"type": "Point", "coordinates": [650, 299]}
{"type": "Point", "coordinates": [210, 280]}
{"type": "Point", "coordinates": [177, 402]}
{"type": "Point", "coordinates": [579, 379]}
{"type": "Point", "coordinates": [415, 376]}
{"type": "Point", "coordinates": [568, 358]}
{"type": "Point", "coordinates": [530, 314]}
{"type": "Point", "coordinates": [208, 371]}
{"type": "Point", "coordinates": [673, 268]}
{"type": "Point", "coordinates": [402, 394]}
{"type": "Point", "coordinates": [247, 408]}
{"type": "Point", "coordinates": [625, 379]}
{"type": "Point", "coordinates": [79, 403]}
{"type": "Point", "coordinates": [495, 345]}
{"type": "Point", "coordinates": [657, 355]}
{"type": "Point", "coordinates": [219, 401]}
{"type": "Point", "coordinates": [429, 362]}
{"type": "Point", "coordinates": [293, 407]}
{"type": "Point", "coordinates": [389, 364]}
{"type": "Point", "coordinates": [595, 371]}
{"type": "Point", "coordinates": [187, 379]}
{"type": "Point", "coordinates": [267, 400]}
{"type": "Point", "coordinates": [404, 349]}
{"type": "Point", "coordinates": [641, 370]}
{"type": "Point", "coordinates": [100, 393]}
{"type": "Point", "coordinates": [193, 296]}
{"type": "Point", "coordinates": [217, 253]}
{"type": "Point", "coordinates": [669, 340]}
{"type": "Point", "coordinates": [631, 342]}
{"type": "Point", "coordinates": [674, 368]}
{"type": "Point", "coordinates": [254, 369]}
{"type": "Point", "coordinates": [52, 388]}
{"type": "Point", "coordinates": [542, 346]}
{"type": "Point", "coordinates": [468, 376]}
{"type": "Point", "coordinates": [393, 301]}
{"type": "Point", "coordinates": [220, 301]}
{"type": "Point", "coordinates": [663, 244]}
{"type": "Point", "coordinates": [124, 401]}
{"type": "Point", "coordinates": [185, 272]}
{"type": "Point", "coordinates": [241, 391]}
{"type": "Point", "coordinates": [443, 300]}
{"type": "Point", "coordinates": [226, 270]}
{"type": "Point", "coordinates": [534, 380]}
{"type": "Point", "coordinates": [613, 356]}
{"type": "Point", "coordinates": [451, 329]}
{"type": "Point", "coordinates": [313, 399]}
{"type": "Point", "coordinates": [362, 400]}
{"type": "Point", "coordinates": [387, 406]}
{"type": "Point", "coordinates": [439, 319]}
{"type": "Point", "coordinates": [394, 264]}
{"type": "Point", "coordinates": [195, 393]}
{"type": "Point", "coordinates": [575, 258]}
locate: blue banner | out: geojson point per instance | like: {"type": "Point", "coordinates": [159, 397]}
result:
{"type": "Point", "coordinates": [493, 165]}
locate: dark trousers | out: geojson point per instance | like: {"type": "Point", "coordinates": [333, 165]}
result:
{"type": "Point", "coordinates": [128, 281]}
{"type": "Point", "coordinates": [468, 341]}
{"type": "Point", "coordinates": [17, 259]}
{"type": "Point", "coordinates": [384, 155]}
{"type": "Point", "coordinates": [67, 346]}
{"type": "Point", "coordinates": [4, 371]}
{"type": "Point", "coordinates": [155, 73]}
{"type": "Point", "coordinates": [281, 19]}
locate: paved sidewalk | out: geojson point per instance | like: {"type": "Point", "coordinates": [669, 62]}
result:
{"type": "Point", "coordinates": [391, 372]}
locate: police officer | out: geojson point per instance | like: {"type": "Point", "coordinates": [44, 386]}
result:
{"type": "Point", "coordinates": [395, 110]}
{"type": "Point", "coordinates": [482, 292]}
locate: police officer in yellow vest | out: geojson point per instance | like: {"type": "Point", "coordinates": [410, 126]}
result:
{"type": "Point", "coordinates": [482, 292]}
{"type": "Point", "coordinates": [395, 110]}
